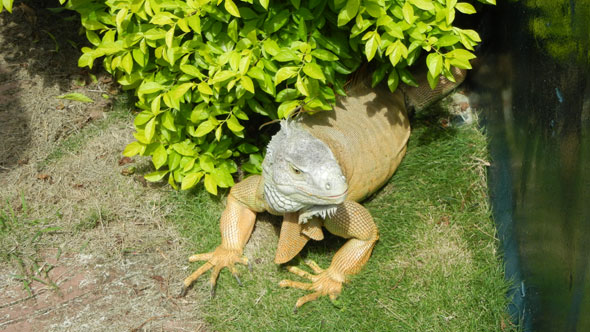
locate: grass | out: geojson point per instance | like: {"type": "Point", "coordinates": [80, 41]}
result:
{"type": "Point", "coordinates": [435, 268]}
{"type": "Point", "coordinates": [21, 240]}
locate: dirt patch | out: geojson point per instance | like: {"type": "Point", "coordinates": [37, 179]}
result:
{"type": "Point", "coordinates": [83, 246]}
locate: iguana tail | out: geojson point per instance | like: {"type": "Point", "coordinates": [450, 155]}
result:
{"type": "Point", "coordinates": [421, 97]}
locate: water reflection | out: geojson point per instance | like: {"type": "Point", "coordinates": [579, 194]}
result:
{"type": "Point", "coordinates": [533, 86]}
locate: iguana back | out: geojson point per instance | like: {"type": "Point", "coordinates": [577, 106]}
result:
{"type": "Point", "coordinates": [367, 131]}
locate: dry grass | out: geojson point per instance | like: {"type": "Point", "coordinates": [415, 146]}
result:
{"type": "Point", "coordinates": [108, 225]}
{"type": "Point", "coordinates": [83, 247]}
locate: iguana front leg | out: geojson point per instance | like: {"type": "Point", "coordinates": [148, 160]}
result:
{"type": "Point", "coordinates": [353, 221]}
{"type": "Point", "coordinates": [237, 222]}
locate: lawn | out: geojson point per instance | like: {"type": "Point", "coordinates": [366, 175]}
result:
{"type": "Point", "coordinates": [436, 266]}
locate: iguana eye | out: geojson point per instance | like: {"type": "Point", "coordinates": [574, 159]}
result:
{"type": "Point", "coordinates": [295, 170]}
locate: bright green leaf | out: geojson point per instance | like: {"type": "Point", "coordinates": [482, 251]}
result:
{"type": "Point", "coordinates": [271, 47]}
{"type": "Point", "coordinates": [168, 121]}
{"type": "Point", "coordinates": [313, 70]}
{"type": "Point", "coordinates": [190, 180]}
{"type": "Point", "coordinates": [393, 80]}
{"type": "Point", "coordinates": [133, 148]}
{"type": "Point", "coordinates": [204, 88]}
{"type": "Point", "coordinates": [301, 87]}
{"type": "Point", "coordinates": [223, 75]}
{"type": "Point", "coordinates": [247, 83]}
{"type": "Point", "coordinates": [348, 12]}
{"type": "Point", "coordinates": [287, 107]}
{"type": "Point", "coordinates": [408, 12]}
{"type": "Point", "coordinates": [465, 8]}
{"type": "Point", "coordinates": [287, 94]}
{"type": "Point", "coordinates": [163, 18]}
{"type": "Point", "coordinates": [127, 63]}
{"type": "Point", "coordinates": [204, 128]}
{"type": "Point", "coordinates": [286, 55]}
{"type": "Point", "coordinates": [170, 36]}
{"type": "Point", "coordinates": [232, 30]}
{"type": "Point", "coordinates": [185, 148]}
{"type": "Point", "coordinates": [372, 45]}
{"type": "Point", "coordinates": [150, 129]}
{"type": "Point", "coordinates": [434, 62]}
{"type": "Point", "coordinates": [191, 70]}
{"type": "Point", "coordinates": [423, 4]}
{"type": "Point", "coordinates": [324, 55]}
{"type": "Point", "coordinates": [432, 80]}
{"type": "Point", "coordinates": [155, 106]}
{"type": "Point", "coordinates": [149, 87]}
{"type": "Point", "coordinates": [285, 73]}
{"type": "Point", "coordinates": [156, 176]}
{"type": "Point", "coordinates": [160, 156]}
{"type": "Point", "coordinates": [76, 96]}
{"type": "Point", "coordinates": [142, 118]}
{"type": "Point", "coordinates": [223, 177]}
{"type": "Point", "coordinates": [194, 22]}
{"type": "Point", "coordinates": [231, 8]}
{"type": "Point", "coordinates": [210, 184]}
{"type": "Point", "coordinates": [233, 124]}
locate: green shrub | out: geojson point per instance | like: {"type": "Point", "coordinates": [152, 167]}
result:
{"type": "Point", "coordinates": [201, 70]}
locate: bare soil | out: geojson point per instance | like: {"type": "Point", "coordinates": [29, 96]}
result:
{"type": "Point", "coordinates": [88, 248]}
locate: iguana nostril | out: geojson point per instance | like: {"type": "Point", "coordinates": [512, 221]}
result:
{"type": "Point", "coordinates": [328, 186]}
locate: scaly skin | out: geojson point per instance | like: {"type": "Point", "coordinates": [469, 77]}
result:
{"type": "Point", "coordinates": [367, 133]}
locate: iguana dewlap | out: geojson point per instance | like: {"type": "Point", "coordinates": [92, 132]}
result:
{"type": "Point", "coordinates": [316, 169]}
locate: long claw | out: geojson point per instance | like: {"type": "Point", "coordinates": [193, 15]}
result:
{"type": "Point", "coordinates": [211, 291]}
{"type": "Point", "coordinates": [183, 291]}
{"type": "Point", "coordinates": [214, 275]}
{"type": "Point", "coordinates": [238, 280]}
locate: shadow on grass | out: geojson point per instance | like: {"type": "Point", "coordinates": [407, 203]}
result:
{"type": "Point", "coordinates": [435, 123]}
{"type": "Point", "coordinates": [46, 43]}
{"type": "Point", "coordinates": [37, 48]}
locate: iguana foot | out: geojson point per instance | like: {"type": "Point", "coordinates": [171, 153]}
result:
{"type": "Point", "coordinates": [217, 260]}
{"type": "Point", "coordinates": [324, 282]}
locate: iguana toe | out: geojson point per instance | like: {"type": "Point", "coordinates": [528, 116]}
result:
{"type": "Point", "coordinates": [324, 282]}
{"type": "Point", "coordinates": [215, 260]}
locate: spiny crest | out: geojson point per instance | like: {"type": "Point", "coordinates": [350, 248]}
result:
{"type": "Point", "coordinates": [290, 134]}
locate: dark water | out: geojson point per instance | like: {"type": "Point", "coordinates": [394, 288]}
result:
{"type": "Point", "coordinates": [533, 86]}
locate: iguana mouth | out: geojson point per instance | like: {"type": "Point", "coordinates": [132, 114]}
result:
{"type": "Point", "coordinates": [327, 198]}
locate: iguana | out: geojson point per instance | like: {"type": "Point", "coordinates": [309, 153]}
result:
{"type": "Point", "coordinates": [316, 170]}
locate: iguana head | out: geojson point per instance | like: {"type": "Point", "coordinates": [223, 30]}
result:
{"type": "Point", "coordinates": [301, 172]}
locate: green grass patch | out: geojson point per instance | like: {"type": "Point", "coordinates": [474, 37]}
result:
{"type": "Point", "coordinates": [21, 240]}
{"type": "Point", "coordinates": [435, 267]}
{"type": "Point", "coordinates": [96, 217]}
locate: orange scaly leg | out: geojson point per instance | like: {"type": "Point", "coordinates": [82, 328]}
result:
{"type": "Point", "coordinates": [237, 222]}
{"type": "Point", "coordinates": [352, 221]}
